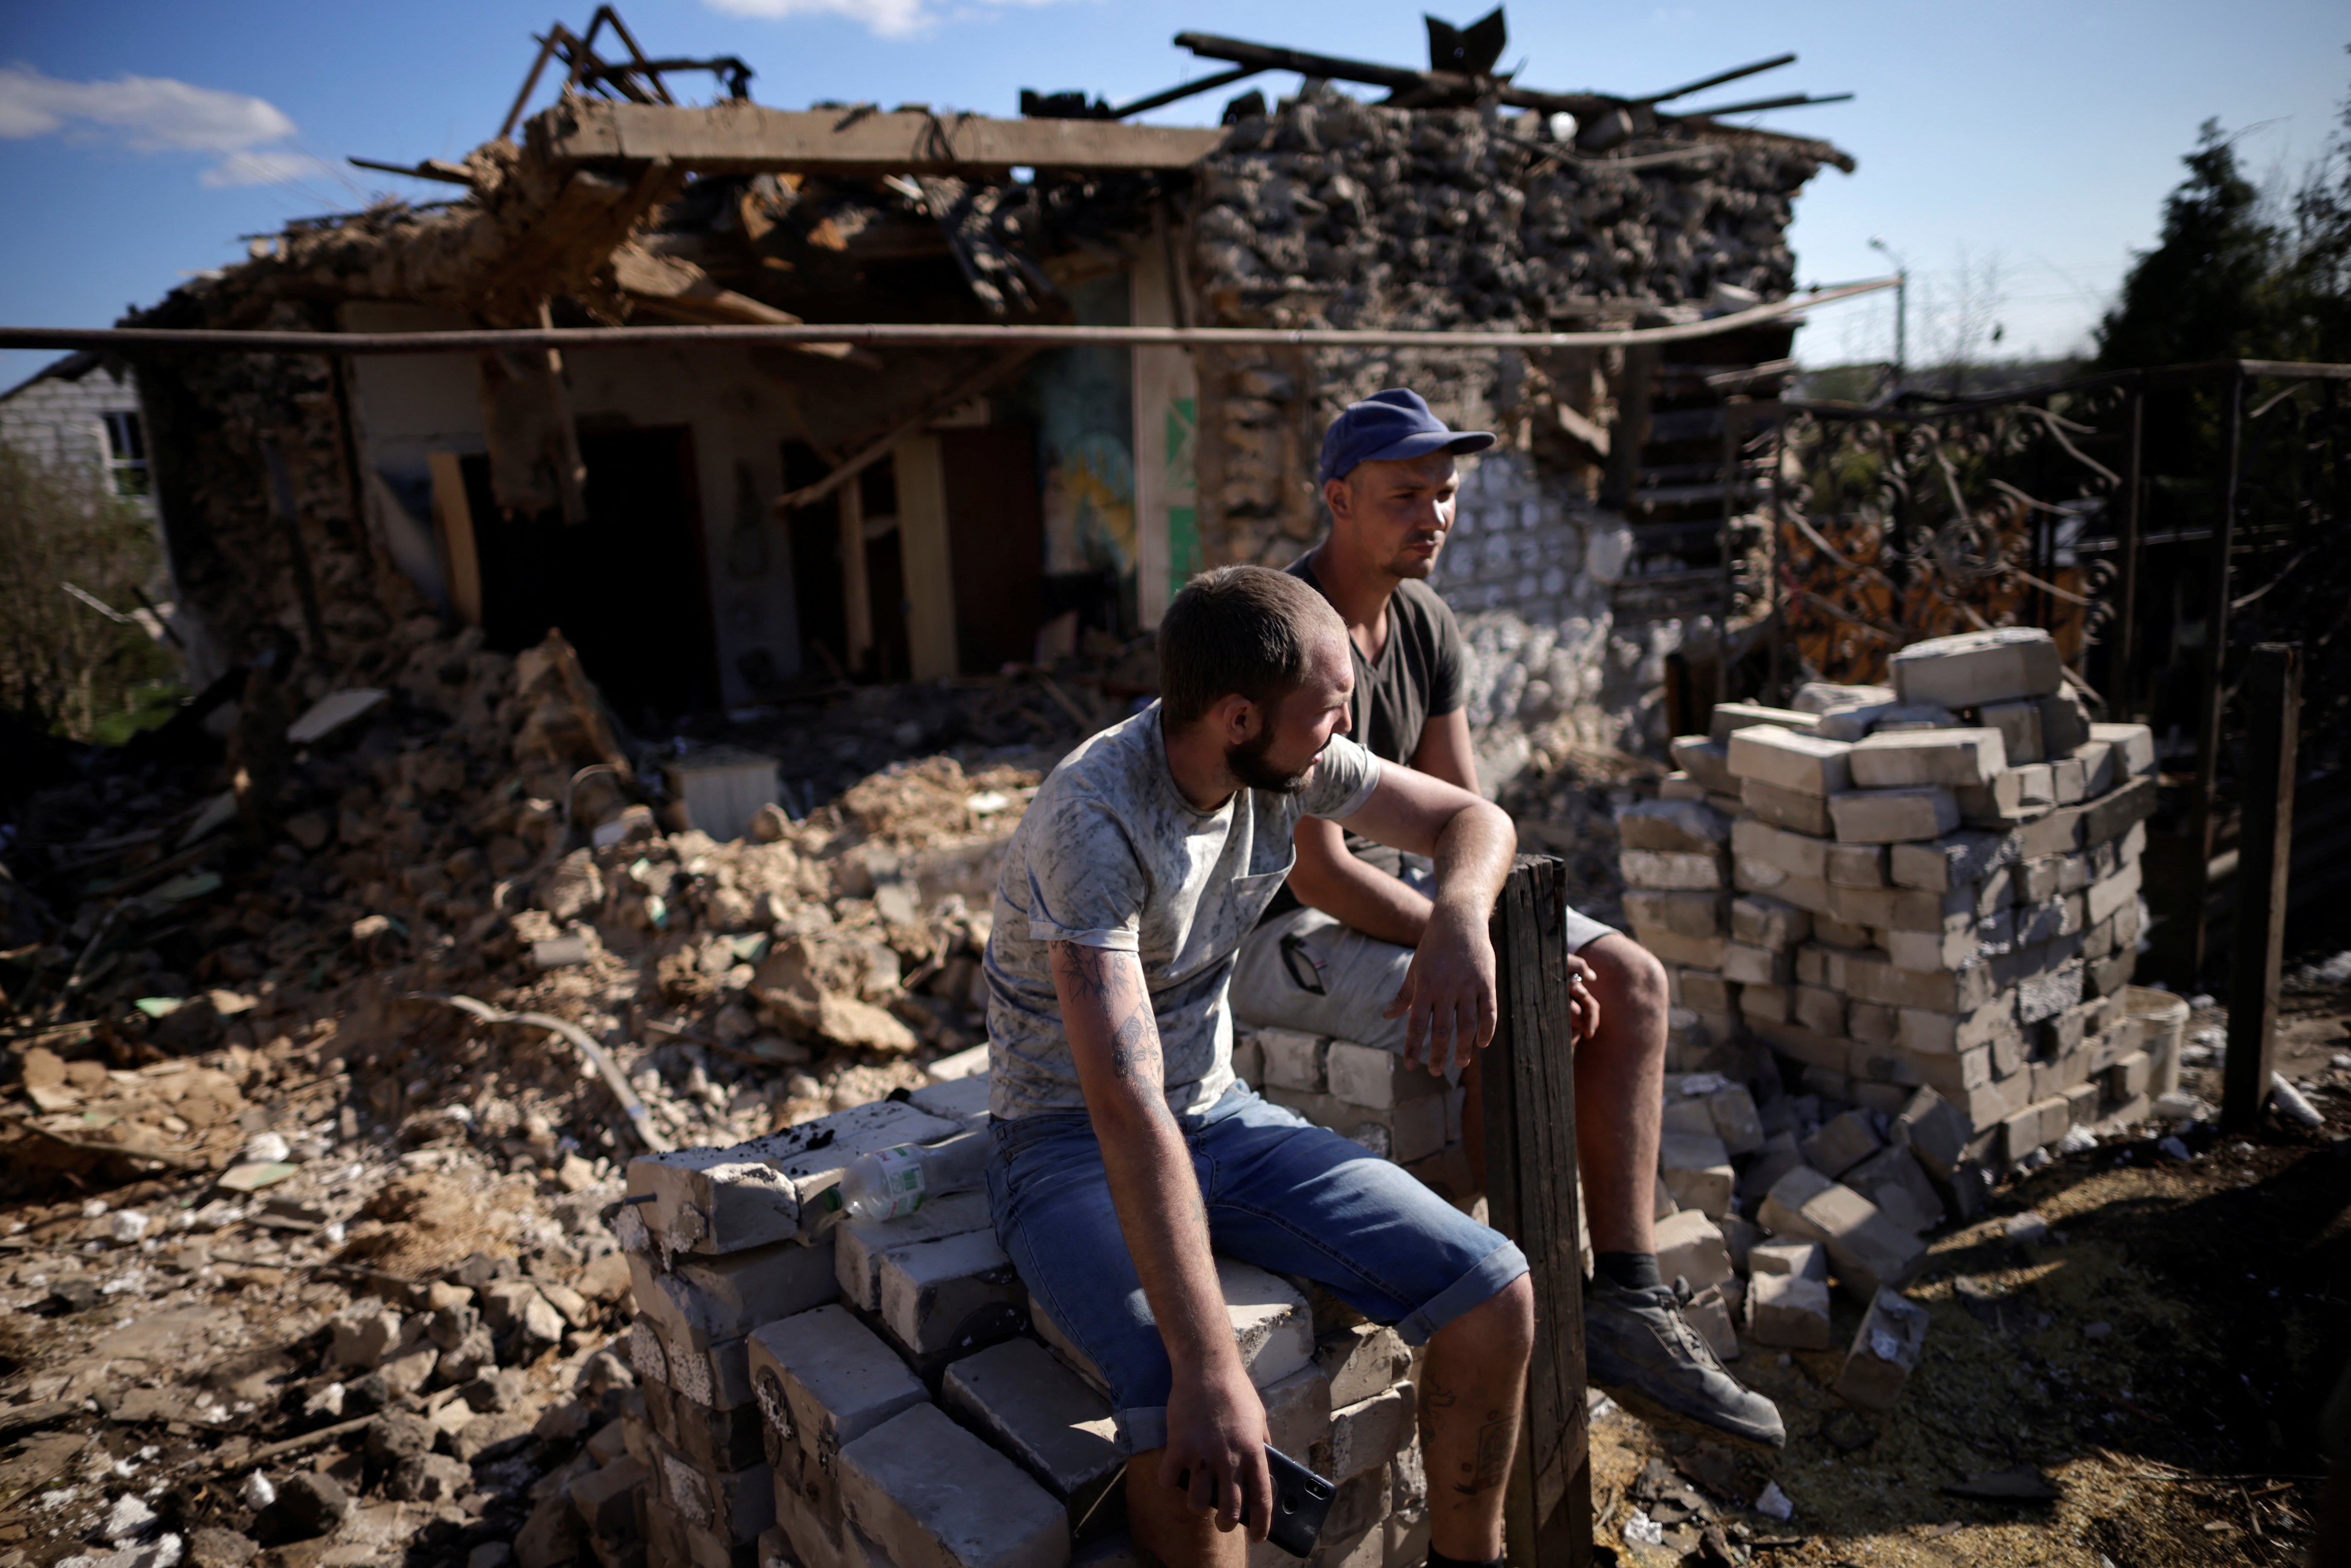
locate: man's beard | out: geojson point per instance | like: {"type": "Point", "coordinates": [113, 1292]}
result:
{"type": "Point", "coordinates": [1247, 762]}
{"type": "Point", "coordinates": [1411, 567]}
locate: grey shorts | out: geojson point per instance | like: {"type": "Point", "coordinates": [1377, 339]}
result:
{"type": "Point", "coordinates": [1360, 977]}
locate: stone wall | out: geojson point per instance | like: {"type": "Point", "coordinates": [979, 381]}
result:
{"type": "Point", "coordinates": [1333, 213]}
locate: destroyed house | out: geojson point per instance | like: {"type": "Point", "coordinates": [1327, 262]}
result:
{"type": "Point", "coordinates": [714, 523]}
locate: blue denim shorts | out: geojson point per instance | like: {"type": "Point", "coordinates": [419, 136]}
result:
{"type": "Point", "coordinates": [1281, 1193]}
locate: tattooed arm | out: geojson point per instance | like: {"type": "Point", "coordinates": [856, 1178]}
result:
{"type": "Point", "coordinates": [1215, 1423]}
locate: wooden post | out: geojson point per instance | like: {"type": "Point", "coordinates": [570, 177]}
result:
{"type": "Point", "coordinates": [2215, 696]}
{"type": "Point", "coordinates": [2273, 699]}
{"type": "Point", "coordinates": [1530, 1188]}
{"type": "Point", "coordinates": [2123, 680]}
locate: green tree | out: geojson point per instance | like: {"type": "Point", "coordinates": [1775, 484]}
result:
{"type": "Point", "coordinates": [2209, 289]}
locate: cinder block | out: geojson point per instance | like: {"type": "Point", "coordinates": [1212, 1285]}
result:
{"type": "Point", "coordinates": [1361, 1360]}
{"type": "Point", "coordinates": [1805, 893]}
{"type": "Point", "coordinates": [1856, 865]}
{"type": "Point", "coordinates": [1899, 908]}
{"type": "Point", "coordinates": [1893, 816]}
{"type": "Point", "coordinates": [1788, 1309]}
{"type": "Point", "coordinates": [1948, 758]}
{"type": "Point", "coordinates": [712, 1439]}
{"type": "Point", "coordinates": [1768, 923]}
{"type": "Point", "coordinates": [2049, 994]}
{"type": "Point", "coordinates": [932, 1496]}
{"type": "Point", "coordinates": [963, 1100]}
{"type": "Point", "coordinates": [2128, 1078]}
{"type": "Point", "coordinates": [1690, 1246]}
{"type": "Point", "coordinates": [1674, 873]}
{"type": "Point", "coordinates": [2133, 745]}
{"type": "Point", "coordinates": [2064, 722]}
{"type": "Point", "coordinates": [1790, 759]}
{"type": "Point", "coordinates": [1675, 826]}
{"type": "Point", "coordinates": [2100, 768]}
{"type": "Point", "coordinates": [1697, 1171]}
{"type": "Point", "coordinates": [1825, 698]}
{"type": "Point", "coordinates": [1681, 786]}
{"type": "Point", "coordinates": [733, 1505]}
{"type": "Point", "coordinates": [1819, 1009]}
{"type": "Point", "coordinates": [1249, 1058]}
{"type": "Point", "coordinates": [1954, 861]}
{"type": "Point", "coordinates": [1736, 1120]}
{"type": "Point", "coordinates": [1711, 1318]}
{"type": "Point", "coordinates": [768, 1189]}
{"type": "Point", "coordinates": [1690, 952]}
{"type": "Point", "coordinates": [1831, 932]}
{"type": "Point", "coordinates": [1745, 966]}
{"type": "Point", "coordinates": [1892, 1179]}
{"type": "Point", "coordinates": [1362, 1075]}
{"type": "Point", "coordinates": [2019, 724]}
{"type": "Point", "coordinates": [1802, 1260]}
{"type": "Point", "coordinates": [1953, 948]}
{"type": "Point", "coordinates": [1870, 1023]}
{"type": "Point", "coordinates": [1875, 979]}
{"type": "Point", "coordinates": [1729, 718]}
{"type": "Point", "coordinates": [2106, 899]}
{"type": "Point", "coordinates": [824, 1379]}
{"type": "Point", "coordinates": [1884, 1353]}
{"type": "Point", "coordinates": [1936, 1133]}
{"type": "Point", "coordinates": [1869, 1250]}
{"type": "Point", "coordinates": [1041, 1413]}
{"type": "Point", "coordinates": [1973, 668]}
{"type": "Point", "coordinates": [717, 1376]}
{"type": "Point", "coordinates": [1842, 1143]}
{"type": "Point", "coordinates": [1271, 1325]}
{"type": "Point", "coordinates": [2068, 781]}
{"type": "Point", "coordinates": [1405, 1132]}
{"type": "Point", "coordinates": [606, 1497]}
{"type": "Point", "coordinates": [1298, 1416]}
{"type": "Point", "coordinates": [1371, 1431]}
{"type": "Point", "coordinates": [1790, 809]}
{"type": "Point", "coordinates": [1293, 1061]}
{"type": "Point", "coordinates": [1697, 914]}
{"type": "Point", "coordinates": [1706, 761]}
{"type": "Point", "coordinates": [953, 1294]}
{"type": "Point", "coordinates": [860, 1245]}
{"type": "Point", "coordinates": [1703, 990]}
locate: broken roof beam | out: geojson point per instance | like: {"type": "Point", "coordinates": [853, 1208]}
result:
{"type": "Point", "coordinates": [745, 138]}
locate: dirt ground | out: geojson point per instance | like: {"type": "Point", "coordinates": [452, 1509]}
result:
{"type": "Point", "coordinates": [2181, 1432]}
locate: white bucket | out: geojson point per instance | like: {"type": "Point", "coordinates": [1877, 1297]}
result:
{"type": "Point", "coordinates": [2163, 1029]}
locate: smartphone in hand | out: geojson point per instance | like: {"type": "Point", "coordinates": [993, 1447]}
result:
{"type": "Point", "coordinates": [1301, 1502]}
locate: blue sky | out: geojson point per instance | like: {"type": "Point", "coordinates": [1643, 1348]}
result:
{"type": "Point", "coordinates": [2022, 148]}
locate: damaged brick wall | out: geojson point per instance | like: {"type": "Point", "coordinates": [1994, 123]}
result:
{"type": "Point", "coordinates": [252, 437]}
{"type": "Point", "coordinates": [1330, 213]}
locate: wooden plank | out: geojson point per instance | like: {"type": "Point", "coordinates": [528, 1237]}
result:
{"type": "Point", "coordinates": [1166, 410]}
{"type": "Point", "coordinates": [738, 138]}
{"type": "Point", "coordinates": [1531, 1185]}
{"type": "Point", "coordinates": [453, 523]}
{"type": "Point", "coordinates": [924, 558]}
{"type": "Point", "coordinates": [2272, 708]}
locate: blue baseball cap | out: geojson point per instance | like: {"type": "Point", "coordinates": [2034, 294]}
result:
{"type": "Point", "coordinates": [1389, 426]}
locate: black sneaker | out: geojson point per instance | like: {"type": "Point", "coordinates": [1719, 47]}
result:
{"type": "Point", "coordinates": [1638, 1349]}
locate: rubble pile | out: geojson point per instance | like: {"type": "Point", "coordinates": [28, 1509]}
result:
{"type": "Point", "coordinates": [826, 1390]}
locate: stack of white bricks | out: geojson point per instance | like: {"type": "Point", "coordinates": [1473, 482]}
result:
{"type": "Point", "coordinates": [1364, 1093]}
{"type": "Point", "coordinates": [886, 1394]}
{"type": "Point", "coordinates": [1932, 884]}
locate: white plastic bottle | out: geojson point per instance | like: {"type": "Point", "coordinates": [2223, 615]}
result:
{"type": "Point", "coordinates": [893, 1183]}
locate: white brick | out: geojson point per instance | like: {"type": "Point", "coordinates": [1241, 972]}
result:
{"type": "Point", "coordinates": [1769, 923]}
{"type": "Point", "coordinates": [705, 1300]}
{"type": "Point", "coordinates": [2019, 724]}
{"type": "Point", "coordinates": [1893, 816]}
{"type": "Point", "coordinates": [1360, 1360]}
{"type": "Point", "coordinates": [1841, 1142]}
{"type": "Point", "coordinates": [770, 1188]}
{"type": "Point", "coordinates": [1869, 1250]}
{"type": "Point", "coordinates": [1788, 808]}
{"type": "Point", "coordinates": [1729, 718]}
{"type": "Point", "coordinates": [1791, 760]}
{"type": "Point", "coordinates": [1672, 872]}
{"type": "Point", "coordinates": [824, 1379]}
{"type": "Point", "coordinates": [1930, 758]}
{"type": "Point", "coordinates": [1711, 1318]}
{"type": "Point", "coordinates": [2133, 744]}
{"type": "Point", "coordinates": [1884, 1351]}
{"type": "Point", "coordinates": [1705, 761]}
{"type": "Point", "coordinates": [1685, 827]}
{"type": "Point", "coordinates": [1698, 915]}
{"type": "Point", "coordinates": [932, 1496]}
{"type": "Point", "coordinates": [1805, 1260]}
{"type": "Point", "coordinates": [1363, 1076]}
{"type": "Point", "coordinates": [936, 1294]}
{"type": "Point", "coordinates": [1411, 1130]}
{"type": "Point", "coordinates": [1973, 668]}
{"type": "Point", "coordinates": [1747, 965]}
{"type": "Point", "coordinates": [1697, 1171]}
{"type": "Point", "coordinates": [1790, 1309]}
{"type": "Point", "coordinates": [733, 1505]}
{"type": "Point", "coordinates": [1370, 1432]}
{"type": "Point", "coordinates": [1956, 861]}
{"type": "Point", "coordinates": [1292, 1060]}
{"type": "Point", "coordinates": [1691, 1245]}
{"type": "Point", "coordinates": [1039, 1412]}
{"type": "Point", "coordinates": [860, 1245]}
{"type": "Point", "coordinates": [1797, 854]}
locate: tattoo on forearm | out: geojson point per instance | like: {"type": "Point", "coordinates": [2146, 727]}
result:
{"type": "Point", "coordinates": [1098, 977]}
{"type": "Point", "coordinates": [1129, 1044]}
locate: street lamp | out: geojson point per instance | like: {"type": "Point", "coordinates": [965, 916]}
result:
{"type": "Point", "coordinates": [1901, 308]}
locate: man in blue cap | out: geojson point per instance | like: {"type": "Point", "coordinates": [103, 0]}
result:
{"type": "Point", "coordinates": [1330, 956]}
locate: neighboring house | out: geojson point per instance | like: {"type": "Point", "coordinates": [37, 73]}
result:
{"type": "Point", "coordinates": [82, 411]}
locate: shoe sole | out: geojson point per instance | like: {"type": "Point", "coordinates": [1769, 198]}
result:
{"type": "Point", "coordinates": [1650, 1413]}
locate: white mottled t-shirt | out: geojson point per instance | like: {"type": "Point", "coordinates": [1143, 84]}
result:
{"type": "Point", "coordinates": [1110, 854]}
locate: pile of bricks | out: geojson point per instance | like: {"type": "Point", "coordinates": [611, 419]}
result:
{"type": "Point", "coordinates": [1411, 1116]}
{"type": "Point", "coordinates": [834, 1392]}
{"type": "Point", "coordinates": [1931, 884]}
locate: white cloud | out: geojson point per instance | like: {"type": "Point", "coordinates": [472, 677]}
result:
{"type": "Point", "coordinates": [267, 166]}
{"type": "Point", "coordinates": [152, 114]}
{"type": "Point", "coordinates": [885, 19]}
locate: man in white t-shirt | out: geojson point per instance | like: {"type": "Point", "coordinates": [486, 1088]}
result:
{"type": "Point", "coordinates": [1126, 1153]}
